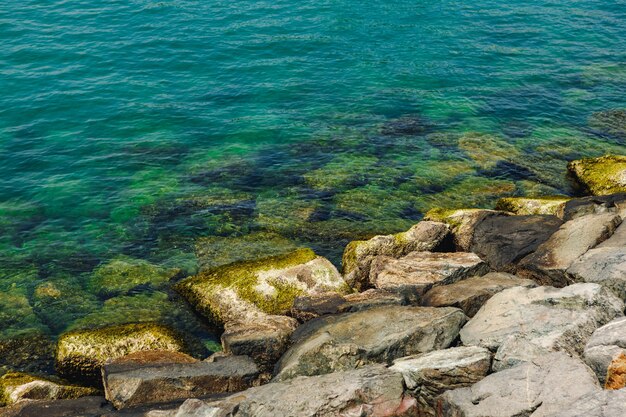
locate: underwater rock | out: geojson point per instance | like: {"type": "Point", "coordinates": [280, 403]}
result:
{"type": "Point", "coordinates": [524, 206]}
{"type": "Point", "coordinates": [32, 351]}
{"type": "Point", "coordinates": [406, 126]}
{"type": "Point", "coordinates": [358, 255]}
{"type": "Point", "coordinates": [600, 176]}
{"type": "Point", "coordinates": [17, 386]}
{"type": "Point", "coordinates": [343, 172]}
{"type": "Point", "coordinates": [610, 122]}
{"type": "Point", "coordinates": [81, 354]}
{"type": "Point", "coordinates": [378, 335]}
{"type": "Point", "coordinates": [487, 150]}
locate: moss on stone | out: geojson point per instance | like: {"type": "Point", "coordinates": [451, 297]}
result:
{"type": "Point", "coordinates": [531, 206]}
{"type": "Point", "coordinates": [60, 390]}
{"type": "Point", "coordinates": [343, 172]}
{"type": "Point", "coordinates": [601, 176]}
{"type": "Point", "coordinates": [487, 150]}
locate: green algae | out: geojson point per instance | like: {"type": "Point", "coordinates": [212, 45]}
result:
{"type": "Point", "coordinates": [341, 173]}
{"type": "Point", "coordinates": [532, 206]}
{"type": "Point", "coordinates": [601, 176]}
{"type": "Point", "coordinates": [487, 150]}
{"type": "Point", "coordinates": [12, 380]}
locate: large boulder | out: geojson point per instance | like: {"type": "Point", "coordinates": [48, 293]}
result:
{"type": "Point", "coordinates": [595, 404]}
{"type": "Point", "coordinates": [17, 386]}
{"type": "Point", "coordinates": [548, 265]}
{"type": "Point", "coordinates": [129, 383]}
{"type": "Point", "coordinates": [577, 207]}
{"type": "Point", "coordinates": [545, 318]}
{"type": "Point", "coordinates": [358, 255]}
{"type": "Point", "coordinates": [538, 388]}
{"type": "Point", "coordinates": [604, 345]}
{"type": "Point", "coordinates": [371, 391]}
{"type": "Point", "coordinates": [429, 375]}
{"type": "Point", "coordinates": [81, 354]}
{"type": "Point", "coordinates": [470, 294]}
{"type": "Point", "coordinates": [502, 241]}
{"type": "Point", "coordinates": [417, 272]}
{"type": "Point", "coordinates": [525, 206]}
{"type": "Point", "coordinates": [603, 265]}
{"type": "Point", "coordinates": [600, 176]}
{"type": "Point", "coordinates": [462, 223]}
{"type": "Point", "coordinates": [379, 335]}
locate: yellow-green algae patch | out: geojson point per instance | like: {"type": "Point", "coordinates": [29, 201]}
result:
{"type": "Point", "coordinates": [601, 176]}
{"type": "Point", "coordinates": [530, 206]}
{"type": "Point", "coordinates": [15, 386]}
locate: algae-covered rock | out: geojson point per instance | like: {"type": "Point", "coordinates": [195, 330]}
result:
{"type": "Point", "coordinates": [16, 314]}
{"type": "Point", "coordinates": [270, 284]}
{"type": "Point", "coordinates": [345, 171]}
{"type": "Point", "coordinates": [32, 351]}
{"type": "Point", "coordinates": [17, 386]}
{"type": "Point", "coordinates": [122, 274]}
{"type": "Point", "coordinates": [601, 176]}
{"type": "Point", "coordinates": [487, 150]}
{"type": "Point", "coordinates": [81, 354]}
{"type": "Point", "coordinates": [531, 206]}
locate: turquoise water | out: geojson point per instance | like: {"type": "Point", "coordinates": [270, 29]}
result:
{"type": "Point", "coordinates": [167, 136]}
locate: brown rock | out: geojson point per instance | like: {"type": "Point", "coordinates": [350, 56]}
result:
{"type": "Point", "coordinates": [616, 373]}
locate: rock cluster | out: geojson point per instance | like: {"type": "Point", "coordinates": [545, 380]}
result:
{"type": "Point", "coordinates": [517, 311]}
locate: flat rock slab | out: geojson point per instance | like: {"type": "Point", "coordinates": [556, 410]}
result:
{"type": "Point", "coordinates": [429, 375]}
{"type": "Point", "coordinates": [418, 272]}
{"type": "Point", "coordinates": [129, 384]}
{"type": "Point", "coordinates": [502, 241]}
{"type": "Point", "coordinates": [596, 404]}
{"type": "Point", "coordinates": [605, 344]}
{"type": "Point", "coordinates": [603, 265]}
{"type": "Point", "coordinates": [379, 335]}
{"type": "Point", "coordinates": [533, 389]}
{"type": "Point", "coordinates": [548, 265]}
{"type": "Point", "coordinates": [470, 294]}
{"type": "Point", "coordinates": [551, 318]}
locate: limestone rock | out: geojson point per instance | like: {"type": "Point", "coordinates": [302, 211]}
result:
{"type": "Point", "coordinates": [378, 335]}
{"type": "Point", "coordinates": [418, 272]}
{"type": "Point", "coordinates": [502, 241]}
{"type": "Point", "coordinates": [431, 374]}
{"type": "Point", "coordinates": [17, 386]}
{"type": "Point", "coordinates": [550, 318]}
{"type": "Point", "coordinates": [603, 265]}
{"type": "Point", "coordinates": [462, 223]}
{"type": "Point", "coordinates": [358, 255]}
{"type": "Point", "coordinates": [596, 404]}
{"type": "Point", "coordinates": [600, 176]}
{"type": "Point", "coordinates": [470, 294]}
{"type": "Point", "coordinates": [128, 384]}
{"type": "Point", "coordinates": [548, 265]}
{"type": "Point", "coordinates": [539, 388]}
{"type": "Point", "coordinates": [605, 344]}
{"type": "Point", "coordinates": [81, 354]}
{"type": "Point", "coordinates": [532, 206]}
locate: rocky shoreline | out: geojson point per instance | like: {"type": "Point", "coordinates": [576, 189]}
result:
{"type": "Point", "coordinates": [516, 311]}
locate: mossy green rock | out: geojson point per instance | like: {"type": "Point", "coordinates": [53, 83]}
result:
{"type": "Point", "coordinates": [81, 354]}
{"type": "Point", "coordinates": [269, 284]}
{"type": "Point", "coordinates": [17, 386]}
{"type": "Point", "coordinates": [530, 206]}
{"type": "Point", "coordinates": [30, 352]}
{"type": "Point", "coordinates": [601, 176]}
{"type": "Point", "coordinates": [122, 274]}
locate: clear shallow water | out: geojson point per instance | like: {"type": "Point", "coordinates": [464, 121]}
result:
{"type": "Point", "coordinates": [135, 128]}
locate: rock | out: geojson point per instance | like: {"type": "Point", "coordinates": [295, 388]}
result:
{"type": "Point", "coordinates": [470, 294]}
{"type": "Point", "coordinates": [618, 239]}
{"type": "Point", "coordinates": [372, 391]}
{"type": "Point", "coordinates": [596, 404]}
{"type": "Point", "coordinates": [605, 266]}
{"type": "Point", "coordinates": [17, 386]}
{"type": "Point", "coordinates": [28, 352]}
{"type": "Point", "coordinates": [369, 299]}
{"type": "Point", "coordinates": [462, 223]}
{"type": "Point", "coordinates": [358, 255]}
{"type": "Point", "coordinates": [549, 263]}
{"type": "Point", "coordinates": [600, 176]}
{"type": "Point", "coordinates": [151, 358]}
{"type": "Point", "coordinates": [548, 318]}
{"type": "Point", "coordinates": [85, 406]}
{"type": "Point", "coordinates": [502, 241]}
{"type": "Point", "coordinates": [578, 207]}
{"type": "Point", "coordinates": [129, 384]}
{"type": "Point", "coordinates": [605, 344]}
{"type": "Point", "coordinates": [431, 374]}
{"type": "Point", "coordinates": [538, 388]}
{"type": "Point", "coordinates": [411, 125]}
{"type": "Point", "coordinates": [524, 206]}
{"type": "Point", "coordinates": [378, 335]}
{"type": "Point", "coordinates": [81, 354]}
{"type": "Point", "coordinates": [418, 272]}
{"type": "Point", "coordinates": [487, 150]}
{"type": "Point", "coordinates": [616, 373]}
{"type": "Point", "coordinates": [610, 122]}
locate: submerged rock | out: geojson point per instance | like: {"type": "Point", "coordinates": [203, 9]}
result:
{"type": "Point", "coordinates": [17, 386]}
{"type": "Point", "coordinates": [28, 352]}
{"type": "Point", "coordinates": [610, 122]}
{"type": "Point", "coordinates": [358, 255]}
{"type": "Point", "coordinates": [487, 150]}
{"type": "Point", "coordinates": [379, 335]}
{"type": "Point", "coordinates": [604, 345]}
{"type": "Point", "coordinates": [524, 206]}
{"type": "Point", "coordinates": [600, 176]}
{"type": "Point", "coordinates": [81, 354]}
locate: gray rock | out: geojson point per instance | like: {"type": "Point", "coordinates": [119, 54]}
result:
{"type": "Point", "coordinates": [431, 374]}
{"type": "Point", "coordinates": [604, 345]}
{"type": "Point", "coordinates": [418, 272]}
{"type": "Point", "coordinates": [533, 389]}
{"type": "Point", "coordinates": [605, 266]}
{"type": "Point", "coordinates": [502, 241]}
{"type": "Point", "coordinates": [358, 255]}
{"type": "Point", "coordinates": [378, 335]}
{"type": "Point", "coordinates": [470, 294]}
{"type": "Point", "coordinates": [618, 240]}
{"type": "Point", "coordinates": [607, 403]}
{"type": "Point", "coordinates": [548, 265]}
{"type": "Point", "coordinates": [578, 207]}
{"type": "Point", "coordinates": [554, 319]}
{"type": "Point", "coordinates": [369, 299]}
{"type": "Point", "coordinates": [130, 384]}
